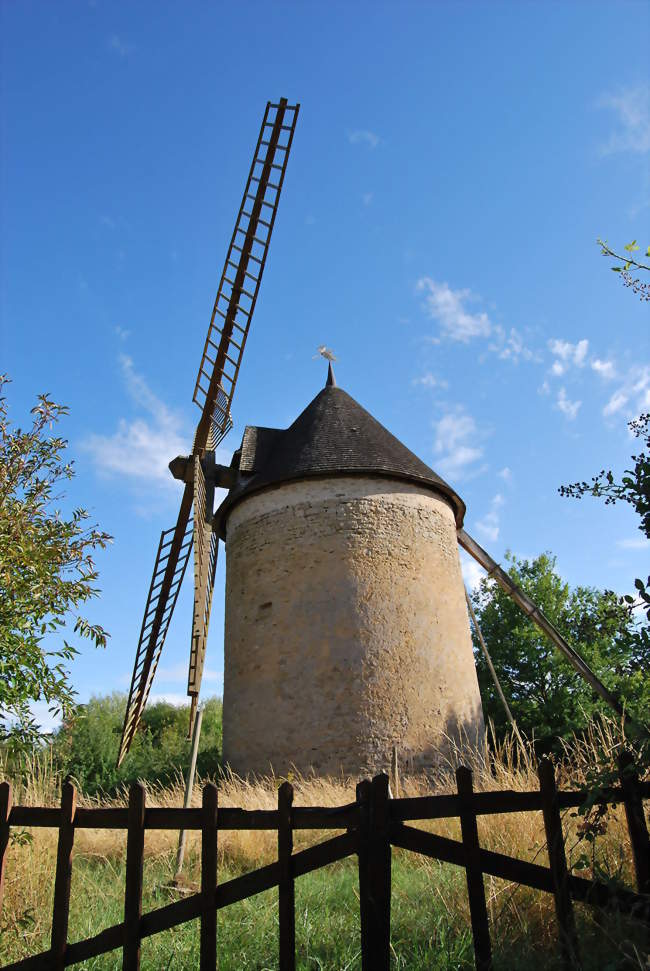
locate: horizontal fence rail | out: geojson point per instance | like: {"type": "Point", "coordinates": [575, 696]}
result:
{"type": "Point", "coordinates": [371, 826]}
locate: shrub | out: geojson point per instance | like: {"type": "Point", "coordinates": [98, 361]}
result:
{"type": "Point", "coordinates": [86, 746]}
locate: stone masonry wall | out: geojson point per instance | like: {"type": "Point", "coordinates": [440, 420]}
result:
{"type": "Point", "coordinates": [346, 629]}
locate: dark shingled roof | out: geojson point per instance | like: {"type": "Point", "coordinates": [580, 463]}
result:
{"type": "Point", "coordinates": [334, 435]}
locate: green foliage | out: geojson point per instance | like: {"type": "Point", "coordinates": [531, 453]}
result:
{"type": "Point", "coordinates": [86, 746]}
{"type": "Point", "coordinates": [547, 698]}
{"type": "Point", "coordinates": [632, 488]}
{"type": "Point", "coordinates": [46, 572]}
{"type": "Point", "coordinates": [638, 286]}
{"type": "Point", "coordinates": [634, 485]}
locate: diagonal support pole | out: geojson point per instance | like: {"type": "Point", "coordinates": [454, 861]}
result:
{"type": "Point", "coordinates": [189, 787]}
{"type": "Point", "coordinates": [495, 678]}
{"type": "Point", "coordinates": [538, 617]}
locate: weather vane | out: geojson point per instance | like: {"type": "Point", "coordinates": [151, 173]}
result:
{"type": "Point", "coordinates": [326, 352]}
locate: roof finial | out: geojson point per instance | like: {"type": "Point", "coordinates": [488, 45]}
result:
{"type": "Point", "coordinates": [323, 351]}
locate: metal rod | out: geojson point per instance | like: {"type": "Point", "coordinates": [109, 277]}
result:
{"type": "Point", "coordinates": [497, 683]}
{"type": "Point", "coordinates": [189, 786]}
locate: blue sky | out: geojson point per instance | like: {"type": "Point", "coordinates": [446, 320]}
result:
{"type": "Point", "coordinates": [452, 167]}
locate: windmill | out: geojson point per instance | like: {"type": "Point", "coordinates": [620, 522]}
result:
{"type": "Point", "coordinates": [345, 606]}
{"type": "Point", "coordinates": [346, 623]}
{"type": "Point", "coordinates": [213, 393]}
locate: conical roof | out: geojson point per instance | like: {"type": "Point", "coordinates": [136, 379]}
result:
{"type": "Point", "coordinates": [334, 435]}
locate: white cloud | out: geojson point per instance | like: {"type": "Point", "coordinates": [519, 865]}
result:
{"type": "Point", "coordinates": [362, 136]}
{"type": "Point", "coordinates": [567, 354]}
{"type": "Point", "coordinates": [580, 352]}
{"type": "Point", "coordinates": [447, 307]}
{"type": "Point", "coordinates": [631, 107]}
{"type": "Point", "coordinates": [429, 380]}
{"type": "Point", "coordinates": [506, 474]}
{"type": "Point", "coordinates": [174, 698]}
{"type": "Point", "coordinates": [180, 698]}
{"type": "Point", "coordinates": [43, 717]}
{"type": "Point", "coordinates": [450, 308]}
{"type": "Point", "coordinates": [605, 369]}
{"type": "Point", "coordinates": [633, 395]}
{"type": "Point", "coordinates": [122, 333]}
{"type": "Point", "coordinates": [141, 448]}
{"type": "Point", "coordinates": [617, 401]}
{"type": "Point", "coordinates": [455, 463]}
{"type": "Point", "coordinates": [472, 572]}
{"type": "Point", "coordinates": [178, 672]}
{"type": "Point", "coordinates": [512, 347]}
{"type": "Point", "coordinates": [489, 524]}
{"type": "Point", "coordinates": [641, 389]}
{"type": "Point", "coordinates": [567, 407]}
{"type": "Point", "coordinates": [456, 434]}
{"type": "Point", "coordinates": [634, 543]}
{"type": "Point", "coordinates": [544, 388]}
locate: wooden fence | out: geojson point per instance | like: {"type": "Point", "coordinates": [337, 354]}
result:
{"type": "Point", "coordinates": [372, 825]}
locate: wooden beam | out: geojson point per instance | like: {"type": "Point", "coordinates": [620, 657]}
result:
{"type": "Point", "coordinates": [474, 872]}
{"type": "Point", "coordinates": [286, 892]}
{"type": "Point", "coordinates": [209, 833]}
{"type": "Point", "coordinates": [379, 874]}
{"type": "Point", "coordinates": [63, 878]}
{"type": "Point", "coordinates": [134, 873]}
{"type": "Point", "coordinates": [636, 824]}
{"type": "Point", "coordinates": [557, 861]}
{"type": "Point", "coordinates": [364, 790]}
{"type": "Point", "coordinates": [5, 811]}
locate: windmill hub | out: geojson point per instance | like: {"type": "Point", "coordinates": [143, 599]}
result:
{"type": "Point", "coordinates": [218, 476]}
{"type": "Point", "coordinates": [346, 628]}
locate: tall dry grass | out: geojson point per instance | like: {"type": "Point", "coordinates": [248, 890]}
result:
{"type": "Point", "coordinates": [30, 864]}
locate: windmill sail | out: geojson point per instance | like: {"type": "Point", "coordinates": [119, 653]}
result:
{"type": "Point", "coordinates": [213, 393]}
{"type": "Point", "coordinates": [205, 565]}
{"type": "Point", "coordinates": [169, 569]}
{"type": "Point", "coordinates": [243, 269]}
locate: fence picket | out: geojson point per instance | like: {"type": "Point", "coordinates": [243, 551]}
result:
{"type": "Point", "coordinates": [5, 810]}
{"type": "Point", "coordinates": [286, 892]}
{"type": "Point", "coordinates": [133, 888]}
{"type": "Point", "coordinates": [473, 871]}
{"type": "Point", "coordinates": [364, 789]}
{"type": "Point", "coordinates": [379, 873]}
{"type": "Point", "coordinates": [557, 863]}
{"type": "Point", "coordinates": [63, 877]}
{"type": "Point", "coordinates": [209, 834]}
{"type": "Point", "coordinates": [636, 823]}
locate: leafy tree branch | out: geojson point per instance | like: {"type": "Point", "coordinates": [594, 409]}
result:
{"type": "Point", "coordinates": [639, 287]}
{"type": "Point", "coordinates": [633, 487]}
{"type": "Point", "coordinates": [47, 571]}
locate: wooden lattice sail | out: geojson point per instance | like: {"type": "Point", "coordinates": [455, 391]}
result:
{"type": "Point", "coordinates": [213, 393]}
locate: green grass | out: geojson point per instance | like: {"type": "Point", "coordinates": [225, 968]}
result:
{"type": "Point", "coordinates": [425, 930]}
{"type": "Point", "coordinates": [429, 920]}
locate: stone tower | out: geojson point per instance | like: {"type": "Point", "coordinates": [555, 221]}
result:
{"type": "Point", "coordinates": [346, 628]}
